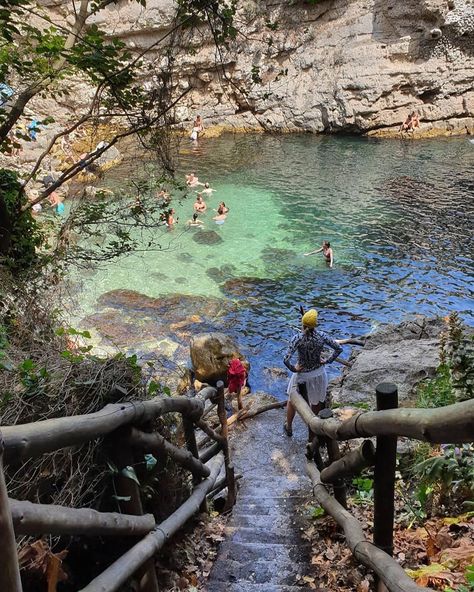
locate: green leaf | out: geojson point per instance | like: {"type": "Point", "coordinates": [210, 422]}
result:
{"type": "Point", "coordinates": [318, 512]}
{"type": "Point", "coordinates": [153, 387]}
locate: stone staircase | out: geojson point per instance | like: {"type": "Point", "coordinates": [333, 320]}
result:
{"type": "Point", "coordinates": [264, 551]}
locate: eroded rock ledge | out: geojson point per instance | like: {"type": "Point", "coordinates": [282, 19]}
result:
{"type": "Point", "coordinates": [404, 354]}
{"type": "Point", "coordinates": [354, 66]}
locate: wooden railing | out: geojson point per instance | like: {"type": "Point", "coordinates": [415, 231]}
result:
{"type": "Point", "coordinates": [450, 424]}
{"type": "Point", "coordinates": [123, 427]}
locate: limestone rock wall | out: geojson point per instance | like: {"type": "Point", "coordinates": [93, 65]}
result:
{"type": "Point", "coordinates": [336, 65]}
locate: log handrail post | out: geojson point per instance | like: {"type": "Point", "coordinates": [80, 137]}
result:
{"type": "Point", "coordinates": [122, 454]}
{"type": "Point", "coordinates": [334, 454]}
{"type": "Point", "coordinates": [191, 445]}
{"type": "Point", "coordinates": [10, 580]}
{"type": "Point", "coordinates": [229, 469]}
{"type": "Point", "coordinates": [384, 475]}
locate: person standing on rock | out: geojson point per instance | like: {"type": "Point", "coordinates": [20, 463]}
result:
{"type": "Point", "coordinates": [309, 376]}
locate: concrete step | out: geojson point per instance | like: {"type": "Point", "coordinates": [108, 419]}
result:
{"type": "Point", "coordinates": [252, 551]}
{"type": "Point", "coordinates": [286, 521]}
{"type": "Point", "coordinates": [249, 587]}
{"type": "Point", "coordinates": [274, 484]}
{"type": "Point", "coordinates": [261, 563]}
{"type": "Point", "coordinates": [269, 533]}
{"type": "Point", "coordinates": [259, 572]}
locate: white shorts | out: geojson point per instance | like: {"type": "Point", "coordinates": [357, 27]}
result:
{"type": "Point", "coordinates": [316, 383]}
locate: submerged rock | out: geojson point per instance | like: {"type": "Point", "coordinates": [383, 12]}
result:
{"type": "Point", "coordinates": [207, 237]}
{"type": "Point", "coordinates": [404, 354]}
{"type": "Point", "coordinates": [248, 286]}
{"type": "Point", "coordinates": [220, 274]}
{"type": "Point", "coordinates": [211, 354]}
{"type": "Point", "coordinates": [162, 326]}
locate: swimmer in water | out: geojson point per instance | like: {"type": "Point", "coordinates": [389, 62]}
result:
{"type": "Point", "coordinates": [170, 220]}
{"type": "Point", "coordinates": [192, 180]}
{"type": "Point", "coordinates": [200, 205]}
{"type": "Point", "coordinates": [195, 221]}
{"type": "Point", "coordinates": [222, 211]}
{"type": "Point", "coordinates": [327, 252]}
{"type": "Point", "coordinates": [208, 190]}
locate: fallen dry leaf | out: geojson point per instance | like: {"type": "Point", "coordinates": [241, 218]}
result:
{"type": "Point", "coordinates": [364, 586]}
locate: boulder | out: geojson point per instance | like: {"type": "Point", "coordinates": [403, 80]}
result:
{"type": "Point", "coordinates": [404, 354]}
{"type": "Point", "coordinates": [211, 354]}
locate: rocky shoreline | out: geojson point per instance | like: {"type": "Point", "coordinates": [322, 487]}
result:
{"type": "Point", "coordinates": [405, 354]}
{"type": "Point", "coordinates": [162, 329]}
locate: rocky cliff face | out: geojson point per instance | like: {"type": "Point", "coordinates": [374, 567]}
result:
{"type": "Point", "coordinates": [336, 65]}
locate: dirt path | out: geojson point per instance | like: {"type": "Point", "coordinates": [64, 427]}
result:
{"type": "Point", "coordinates": [263, 551]}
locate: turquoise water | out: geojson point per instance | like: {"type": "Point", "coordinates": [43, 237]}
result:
{"type": "Point", "coordinates": [399, 215]}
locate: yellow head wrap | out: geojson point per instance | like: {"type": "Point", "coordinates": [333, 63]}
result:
{"type": "Point", "coordinates": [310, 319]}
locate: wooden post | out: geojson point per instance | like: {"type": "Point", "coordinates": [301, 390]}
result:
{"type": "Point", "coordinates": [333, 455]}
{"type": "Point", "coordinates": [122, 454]}
{"type": "Point", "coordinates": [229, 469]}
{"type": "Point", "coordinates": [10, 571]}
{"type": "Point", "coordinates": [191, 444]}
{"type": "Point", "coordinates": [384, 475]}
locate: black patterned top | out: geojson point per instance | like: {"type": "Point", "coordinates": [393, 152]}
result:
{"type": "Point", "coordinates": [309, 346]}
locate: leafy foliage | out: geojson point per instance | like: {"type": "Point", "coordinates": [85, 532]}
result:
{"type": "Point", "coordinates": [452, 471]}
{"type": "Point", "coordinates": [23, 233]}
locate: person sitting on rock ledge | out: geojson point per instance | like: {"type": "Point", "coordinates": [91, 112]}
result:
{"type": "Point", "coordinates": [411, 122]}
{"type": "Point", "coordinates": [309, 377]}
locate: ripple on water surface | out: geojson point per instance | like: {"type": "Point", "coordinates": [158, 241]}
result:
{"type": "Point", "coordinates": [399, 215]}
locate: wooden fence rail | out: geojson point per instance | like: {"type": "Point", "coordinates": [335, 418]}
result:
{"type": "Point", "coordinates": [125, 427]}
{"type": "Point", "coordinates": [449, 424]}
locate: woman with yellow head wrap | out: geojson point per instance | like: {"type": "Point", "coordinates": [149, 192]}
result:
{"type": "Point", "coordinates": [309, 376]}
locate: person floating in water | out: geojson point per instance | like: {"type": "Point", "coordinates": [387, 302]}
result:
{"type": "Point", "coordinates": [195, 221]}
{"type": "Point", "coordinates": [200, 205]}
{"type": "Point", "coordinates": [309, 376]}
{"type": "Point", "coordinates": [327, 252]}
